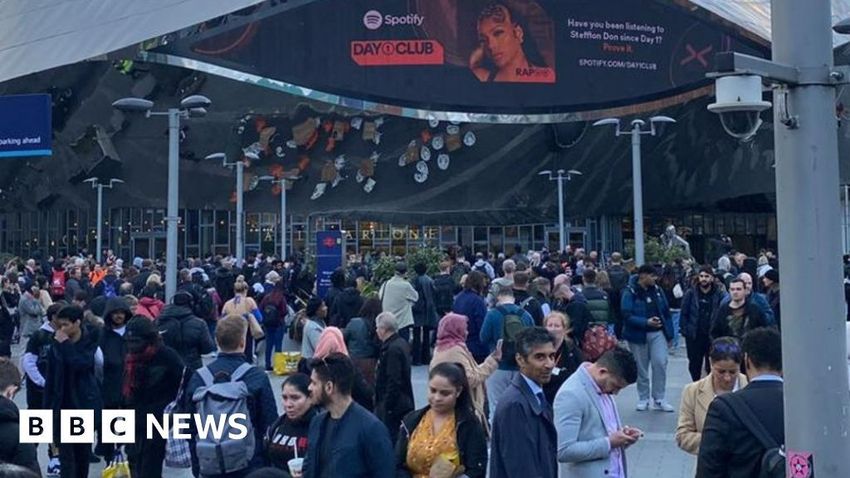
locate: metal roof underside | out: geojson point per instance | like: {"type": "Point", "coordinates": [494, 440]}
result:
{"type": "Point", "coordinates": [754, 15]}
{"type": "Point", "coordinates": [37, 35]}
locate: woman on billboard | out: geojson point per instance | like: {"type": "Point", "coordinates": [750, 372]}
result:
{"type": "Point", "coordinates": [507, 51]}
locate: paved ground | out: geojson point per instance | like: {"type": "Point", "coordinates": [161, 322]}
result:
{"type": "Point", "coordinates": [656, 455]}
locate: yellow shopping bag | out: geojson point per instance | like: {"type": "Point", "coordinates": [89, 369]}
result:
{"type": "Point", "coordinates": [118, 468]}
{"type": "Point", "coordinates": [279, 363]}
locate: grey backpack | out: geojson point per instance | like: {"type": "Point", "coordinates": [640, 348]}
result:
{"type": "Point", "coordinates": [212, 401]}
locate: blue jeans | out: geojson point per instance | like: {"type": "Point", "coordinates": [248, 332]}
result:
{"type": "Point", "coordinates": [677, 314]}
{"type": "Point", "coordinates": [274, 343]}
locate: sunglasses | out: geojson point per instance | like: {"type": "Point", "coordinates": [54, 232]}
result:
{"type": "Point", "coordinates": [725, 348]}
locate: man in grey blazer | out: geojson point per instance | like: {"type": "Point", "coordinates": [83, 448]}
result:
{"type": "Point", "coordinates": [591, 439]}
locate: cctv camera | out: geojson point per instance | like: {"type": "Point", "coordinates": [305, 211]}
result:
{"type": "Point", "coordinates": [739, 104]}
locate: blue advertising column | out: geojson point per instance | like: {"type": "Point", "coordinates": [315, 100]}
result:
{"type": "Point", "coordinates": [25, 126]}
{"type": "Point", "coordinates": [328, 259]}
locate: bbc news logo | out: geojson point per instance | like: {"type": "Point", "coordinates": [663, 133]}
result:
{"type": "Point", "coordinates": [373, 19]}
{"type": "Point", "coordinates": [119, 426]}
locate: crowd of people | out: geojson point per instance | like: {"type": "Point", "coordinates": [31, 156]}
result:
{"type": "Point", "coordinates": [524, 356]}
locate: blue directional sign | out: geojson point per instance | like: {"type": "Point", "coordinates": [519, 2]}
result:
{"type": "Point", "coordinates": [25, 126]}
{"type": "Point", "coordinates": [328, 258]}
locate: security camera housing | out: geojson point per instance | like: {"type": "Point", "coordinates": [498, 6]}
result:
{"type": "Point", "coordinates": [739, 104]}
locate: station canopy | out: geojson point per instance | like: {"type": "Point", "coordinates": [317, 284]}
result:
{"type": "Point", "coordinates": [401, 141]}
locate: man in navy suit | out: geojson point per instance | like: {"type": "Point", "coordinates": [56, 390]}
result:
{"type": "Point", "coordinates": [524, 441]}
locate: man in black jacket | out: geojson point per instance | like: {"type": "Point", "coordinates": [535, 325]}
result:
{"type": "Point", "coordinates": [11, 449]}
{"type": "Point", "coordinates": [698, 307]}
{"type": "Point", "coordinates": [393, 389]}
{"type": "Point", "coordinates": [445, 289]}
{"type": "Point", "coordinates": [181, 330]}
{"type": "Point", "coordinates": [729, 448]}
{"type": "Point", "coordinates": [201, 304]}
{"type": "Point", "coordinates": [424, 315]}
{"type": "Point", "coordinates": [739, 315]}
{"type": "Point", "coordinates": [71, 384]}
{"type": "Point", "coordinates": [525, 300]}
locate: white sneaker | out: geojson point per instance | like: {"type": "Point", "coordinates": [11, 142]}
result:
{"type": "Point", "coordinates": [642, 406]}
{"type": "Point", "coordinates": [663, 406]}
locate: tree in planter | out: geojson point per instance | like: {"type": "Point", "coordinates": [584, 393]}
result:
{"type": "Point", "coordinates": [655, 252]}
{"type": "Point", "coordinates": [384, 269]}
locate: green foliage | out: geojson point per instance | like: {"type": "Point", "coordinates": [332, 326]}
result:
{"type": "Point", "coordinates": [430, 256]}
{"type": "Point", "coordinates": [369, 291]}
{"type": "Point", "coordinates": [384, 269]}
{"type": "Point", "coordinates": [655, 252]}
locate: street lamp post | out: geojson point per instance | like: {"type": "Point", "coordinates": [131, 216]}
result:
{"type": "Point", "coordinates": [191, 106]}
{"type": "Point", "coordinates": [240, 198]}
{"type": "Point", "coordinates": [561, 176]}
{"type": "Point", "coordinates": [283, 182]}
{"type": "Point", "coordinates": [96, 184]}
{"type": "Point", "coordinates": [637, 181]}
{"type": "Point", "coordinates": [804, 80]}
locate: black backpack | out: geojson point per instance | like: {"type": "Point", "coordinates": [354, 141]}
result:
{"type": "Point", "coordinates": [619, 277]}
{"type": "Point", "coordinates": [773, 458]}
{"type": "Point", "coordinates": [271, 316]}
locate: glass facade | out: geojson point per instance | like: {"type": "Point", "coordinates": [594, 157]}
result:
{"type": "Point", "coordinates": [132, 232]}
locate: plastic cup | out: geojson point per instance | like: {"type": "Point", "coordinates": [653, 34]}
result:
{"type": "Point", "coordinates": [295, 465]}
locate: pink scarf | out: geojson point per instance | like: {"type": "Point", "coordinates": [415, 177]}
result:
{"type": "Point", "coordinates": [330, 341]}
{"type": "Point", "coordinates": [452, 331]}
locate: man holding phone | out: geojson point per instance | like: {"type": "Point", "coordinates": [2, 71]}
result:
{"type": "Point", "coordinates": [648, 328]}
{"type": "Point", "coordinates": [591, 439]}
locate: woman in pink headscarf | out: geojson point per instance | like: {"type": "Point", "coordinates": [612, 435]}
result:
{"type": "Point", "coordinates": [331, 341]}
{"type": "Point", "coordinates": [451, 347]}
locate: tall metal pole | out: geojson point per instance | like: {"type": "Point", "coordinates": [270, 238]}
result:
{"type": "Point", "coordinates": [283, 220]}
{"type": "Point", "coordinates": [846, 223]}
{"type": "Point", "coordinates": [173, 216]}
{"type": "Point", "coordinates": [814, 352]}
{"type": "Point", "coordinates": [637, 187]}
{"type": "Point", "coordinates": [99, 238]}
{"type": "Point", "coordinates": [561, 228]}
{"type": "Point", "coordinates": [240, 212]}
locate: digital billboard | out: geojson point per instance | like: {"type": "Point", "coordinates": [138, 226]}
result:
{"type": "Point", "coordinates": [507, 56]}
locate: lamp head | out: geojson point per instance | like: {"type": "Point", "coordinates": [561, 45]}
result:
{"type": "Point", "coordinates": [545, 172]}
{"type": "Point", "coordinates": [607, 122]}
{"type": "Point", "coordinates": [197, 112]}
{"type": "Point", "coordinates": [217, 157]}
{"type": "Point", "coordinates": [661, 119]}
{"type": "Point", "coordinates": [195, 101]}
{"type": "Point", "coordinates": [133, 105]}
{"type": "Point", "coordinates": [842, 27]}
{"type": "Point", "coordinates": [574, 172]}
{"type": "Point", "coordinates": [251, 155]}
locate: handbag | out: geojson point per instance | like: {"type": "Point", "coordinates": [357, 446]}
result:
{"type": "Point", "coordinates": [117, 468]}
{"type": "Point", "coordinates": [596, 341]}
{"type": "Point", "coordinates": [177, 453]}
